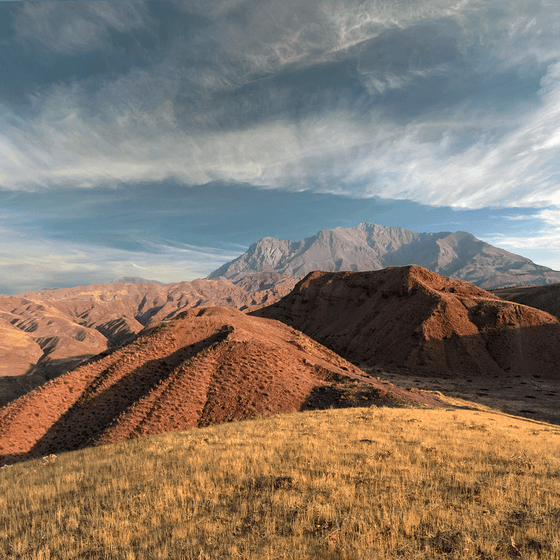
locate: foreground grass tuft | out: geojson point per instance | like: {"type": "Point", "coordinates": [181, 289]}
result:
{"type": "Point", "coordinates": [338, 484]}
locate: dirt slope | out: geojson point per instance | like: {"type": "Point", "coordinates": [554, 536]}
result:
{"type": "Point", "coordinates": [411, 319]}
{"type": "Point", "coordinates": [205, 366]}
{"type": "Point", "coordinates": [546, 298]}
{"type": "Point", "coordinates": [18, 350]}
{"type": "Point", "coordinates": [71, 324]}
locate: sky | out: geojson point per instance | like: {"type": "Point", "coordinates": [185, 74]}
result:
{"type": "Point", "coordinates": [161, 139]}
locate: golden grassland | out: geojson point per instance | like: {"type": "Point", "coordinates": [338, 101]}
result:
{"type": "Point", "coordinates": [365, 483]}
{"type": "Point", "coordinates": [14, 337]}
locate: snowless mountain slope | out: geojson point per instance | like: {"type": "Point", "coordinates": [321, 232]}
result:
{"type": "Point", "coordinates": [372, 247]}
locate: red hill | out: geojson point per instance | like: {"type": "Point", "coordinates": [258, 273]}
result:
{"type": "Point", "coordinates": [411, 319]}
{"type": "Point", "coordinates": [205, 366]}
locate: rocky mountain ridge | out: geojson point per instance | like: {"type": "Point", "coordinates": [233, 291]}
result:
{"type": "Point", "coordinates": [373, 247]}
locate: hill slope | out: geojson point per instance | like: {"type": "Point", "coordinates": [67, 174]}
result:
{"type": "Point", "coordinates": [205, 366]}
{"type": "Point", "coordinates": [67, 325]}
{"type": "Point", "coordinates": [411, 319]}
{"type": "Point", "coordinates": [373, 483]}
{"type": "Point", "coordinates": [373, 247]}
{"type": "Point", "coordinates": [546, 298]}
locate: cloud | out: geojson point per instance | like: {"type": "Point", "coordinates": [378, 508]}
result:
{"type": "Point", "coordinates": [30, 263]}
{"type": "Point", "coordinates": [71, 27]}
{"type": "Point", "coordinates": [539, 243]}
{"type": "Point", "coordinates": [460, 159]}
{"type": "Point", "coordinates": [145, 125]}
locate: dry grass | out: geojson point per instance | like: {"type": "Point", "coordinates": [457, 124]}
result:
{"type": "Point", "coordinates": [372, 483]}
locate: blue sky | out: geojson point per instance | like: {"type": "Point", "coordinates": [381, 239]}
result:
{"type": "Point", "coordinates": [160, 139]}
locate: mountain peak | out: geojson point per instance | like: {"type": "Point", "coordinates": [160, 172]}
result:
{"type": "Point", "coordinates": [369, 246]}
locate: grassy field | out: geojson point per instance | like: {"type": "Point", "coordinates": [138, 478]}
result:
{"type": "Point", "coordinates": [370, 483]}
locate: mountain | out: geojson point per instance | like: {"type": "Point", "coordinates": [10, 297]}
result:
{"type": "Point", "coordinates": [372, 247]}
{"type": "Point", "coordinates": [412, 320]}
{"type": "Point", "coordinates": [45, 333]}
{"type": "Point", "coordinates": [205, 366]}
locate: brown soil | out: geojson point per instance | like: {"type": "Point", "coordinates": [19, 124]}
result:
{"type": "Point", "coordinates": [546, 298]}
{"type": "Point", "coordinates": [18, 350]}
{"type": "Point", "coordinates": [413, 321]}
{"type": "Point", "coordinates": [205, 366]}
{"type": "Point", "coordinates": [64, 326]}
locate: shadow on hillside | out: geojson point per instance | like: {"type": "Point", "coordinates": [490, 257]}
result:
{"type": "Point", "coordinates": [90, 417]}
{"type": "Point", "coordinates": [328, 396]}
{"type": "Point", "coordinates": [513, 369]}
{"type": "Point", "coordinates": [14, 386]}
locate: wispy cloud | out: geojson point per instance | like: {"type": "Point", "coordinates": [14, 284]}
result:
{"type": "Point", "coordinates": [72, 27]}
{"type": "Point", "coordinates": [462, 159]}
{"type": "Point", "coordinates": [30, 263]}
{"type": "Point", "coordinates": [539, 242]}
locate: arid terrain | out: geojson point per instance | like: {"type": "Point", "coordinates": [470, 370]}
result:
{"type": "Point", "coordinates": [411, 320]}
{"type": "Point", "coordinates": [426, 456]}
{"type": "Point", "coordinates": [58, 329]}
{"type": "Point", "coordinates": [421, 330]}
{"type": "Point", "coordinates": [159, 361]}
{"type": "Point", "coordinates": [546, 298]}
{"type": "Point", "coordinates": [349, 484]}
{"type": "Point", "coordinates": [205, 366]}
{"type": "Point", "coordinates": [49, 332]}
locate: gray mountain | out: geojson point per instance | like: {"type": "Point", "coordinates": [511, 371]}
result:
{"type": "Point", "coordinates": [373, 247]}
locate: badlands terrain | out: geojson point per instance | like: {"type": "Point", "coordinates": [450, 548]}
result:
{"type": "Point", "coordinates": [205, 366]}
{"type": "Point", "coordinates": [110, 361]}
{"type": "Point", "coordinates": [48, 332]}
{"type": "Point", "coordinates": [347, 415]}
{"type": "Point", "coordinates": [337, 339]}
{"type": "Point", "coordinates": [422, 330]}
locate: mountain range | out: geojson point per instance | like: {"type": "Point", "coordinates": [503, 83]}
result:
{"type": "Point", "coordinates": [373, 247]}
{"type": "Point", "coordinates": [46, 333]}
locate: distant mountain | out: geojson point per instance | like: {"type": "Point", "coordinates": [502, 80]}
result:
{"type": "Point", "coordinates": [372, 247]}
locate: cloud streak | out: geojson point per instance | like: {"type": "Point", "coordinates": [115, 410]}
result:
{"type": "Point", "coordinates": [442, 102]}
{"type": "Point", "coordinates": [332, 152]}
{"type": "Point", "coordinates": [30, 263]}
{"type": "Point", "coordinates": [70, 28]}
